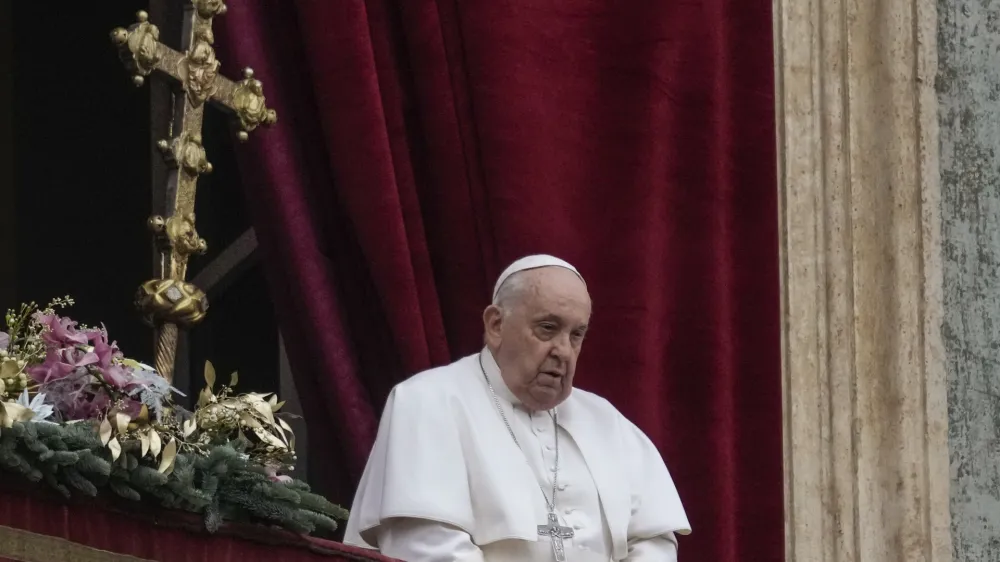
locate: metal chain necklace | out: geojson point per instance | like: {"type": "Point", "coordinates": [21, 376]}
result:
{"type": "Point", "coordinates": [553, 530]}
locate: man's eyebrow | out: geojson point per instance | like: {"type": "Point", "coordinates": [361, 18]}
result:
{"type": "Point", "coordinates": [549, 316]}
{"type": "Point", "coordinates": [553, 317]}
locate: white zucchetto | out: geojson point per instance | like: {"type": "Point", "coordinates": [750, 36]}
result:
{"type": "Point", "coordinates": [532, 262]}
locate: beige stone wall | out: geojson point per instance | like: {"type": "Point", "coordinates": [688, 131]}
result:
{"type": "Point", "coordinates": [866, 450]}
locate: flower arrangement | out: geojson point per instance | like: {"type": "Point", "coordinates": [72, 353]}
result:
{"type": "Point", "coordinates": [78, 414]}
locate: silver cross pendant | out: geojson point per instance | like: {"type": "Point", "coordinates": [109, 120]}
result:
{"type": "Point", "coordinates": [557, 534]}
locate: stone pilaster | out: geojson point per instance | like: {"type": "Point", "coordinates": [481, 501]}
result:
{"type": "Point", "coordinates": [866, 450]}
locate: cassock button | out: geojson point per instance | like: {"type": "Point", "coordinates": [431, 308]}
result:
{"type": "Point", "coordinates": [553, 469]}
{"type": "Point", "coordinates": [540, 429]}
{"type": "Point", "coordinates": [549, 447]}
{"type": "Point", "coordinates": [562, 487]}
{"type": "Point", "coordinates": [578, 526]}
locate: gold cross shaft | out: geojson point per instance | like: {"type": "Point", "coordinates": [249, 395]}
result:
{"type": "Point", "coordinates": [168, 301]}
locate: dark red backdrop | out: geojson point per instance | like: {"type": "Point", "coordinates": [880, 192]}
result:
{"type": "Point", "coordinates": [424, 144]}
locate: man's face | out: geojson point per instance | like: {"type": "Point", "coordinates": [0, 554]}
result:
{"type": "Point", "coordinates": [536, 339]}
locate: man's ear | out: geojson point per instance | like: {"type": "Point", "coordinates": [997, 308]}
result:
{"type": "Point", "coordinates": [492, 324]}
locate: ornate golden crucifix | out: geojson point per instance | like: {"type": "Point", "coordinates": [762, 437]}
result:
{"type": "Point", "coordinates": [169, 302]}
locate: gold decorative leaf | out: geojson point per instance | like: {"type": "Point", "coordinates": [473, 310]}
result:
{"type": "Point", "coordinates": [7, 414]}
{"type": "Point", "coordinates": [269, 438]}
{"type": "Point", "coordinates": [205, 397]}
{"type": "Point", "coordinates": [264, 409]}
{"type": "Point", "coordinates": [169, 453]}
{"type": "Point", "coordinates": [280, 430]}
{"type": "Point", "coordinates": [210, 375]}
{"type": "Point", "coordinates": [273, 400]}
{"type": "Point", "coordinates": [121, 422]}
{"type": "Point", "coordinates": [132, 363]}
{"type": "Point", "coordinates": [14, 412]}
{"type": "Point", "coordinates": [137, 365]}
{"type": "Point", "coordinates": [234, 379]}
{"type": "Point", "coordinates": [105, 431]}
{"type": "Point", "coordinates": [189, 426]}
{"type": "Point", "coordinates": [115, 447]}
{"type": "Point", "coordinates": [154, 443]}
{"type": "Point", "coordinates": [281, 435]}
{"type": "Point", "coordinates": [284, 425]}
{"type": "Point", "coordinates": [144, 441]}
{"type": "Point", "coordinates": [10, 368]}
{"type": "Point", "coordinates": [143, 414]}
{"type": "Point", "coordinates": [276, 407]}
{"type": "Point", "coordinates": [249, 421]}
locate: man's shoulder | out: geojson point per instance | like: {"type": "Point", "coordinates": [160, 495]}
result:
{"type": "Point", "coordinates": [438, 382]}
{"type": "Point", "coordinates": [435, 396]}
{"type": "Point", "coordinates": [602, 413]}
{"type": "Point", "coordinates": [594, 404]}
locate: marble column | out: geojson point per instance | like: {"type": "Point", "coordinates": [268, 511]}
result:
{"type": "Point", "coordinates": [866, 449]}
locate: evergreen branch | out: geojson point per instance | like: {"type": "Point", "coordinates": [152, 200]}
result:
{"type": "Point", "coordinates": [221, 485]}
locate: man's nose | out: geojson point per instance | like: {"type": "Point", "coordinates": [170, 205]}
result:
{"type": "Point", "coordinates": [561, 347]}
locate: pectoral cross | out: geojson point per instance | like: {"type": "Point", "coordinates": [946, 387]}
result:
{"type": "Point", "coordinates": [557, 534]}
{"type": "Point", "coordinates": [169, 301]}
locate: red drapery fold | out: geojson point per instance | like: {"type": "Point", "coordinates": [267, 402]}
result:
{"type": "Point", "coordinates": [423, 145]}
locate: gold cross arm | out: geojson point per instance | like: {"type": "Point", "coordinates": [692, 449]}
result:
{"type": "Point", "coordinates": [197, 68]}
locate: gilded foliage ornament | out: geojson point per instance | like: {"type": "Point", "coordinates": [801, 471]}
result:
{"type": "Point", "coordinates": [200, 69]}
{"type": "Point", "coordinates": [187, 151]}
{"type": "Point", "coordinates": [249, 103]}
{"type": "Point", "coordinates": [208, 9]}
{"type": "Point", "coordinates": [138, 47]}
{"type": "Point", "coordinates": [249, 417]}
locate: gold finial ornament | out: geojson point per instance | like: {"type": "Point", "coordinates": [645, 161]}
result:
{"type": "Point", "coordinates": [248, 100]}
{"type": "Point", "coordinates": [168, 301]}
{"type": "Point", "coordinates": [138, 47]}
{"type": "Point", "coordinates": [208, 9]}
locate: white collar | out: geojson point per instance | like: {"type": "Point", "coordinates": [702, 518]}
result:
{"type": "Point", "coordinates": [496, 379]}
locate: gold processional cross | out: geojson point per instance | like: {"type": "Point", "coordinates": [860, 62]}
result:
{"type": "Point", "coordinates": [168, 302]}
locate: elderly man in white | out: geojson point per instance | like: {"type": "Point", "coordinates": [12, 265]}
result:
{"type": "Point", "coordinates": [497, 458]}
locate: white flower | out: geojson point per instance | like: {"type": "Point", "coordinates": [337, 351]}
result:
{"type": "Point", "coordinates": [37, 405]}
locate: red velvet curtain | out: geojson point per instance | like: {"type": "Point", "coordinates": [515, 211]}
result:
{"type": "Point", "coordinates": [424, 144]}
{"type": "Point", "coordinates": [149, 534]}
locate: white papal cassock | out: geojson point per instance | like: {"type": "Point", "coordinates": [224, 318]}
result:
{"type": "Point", "coordinates": [445, 481]}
